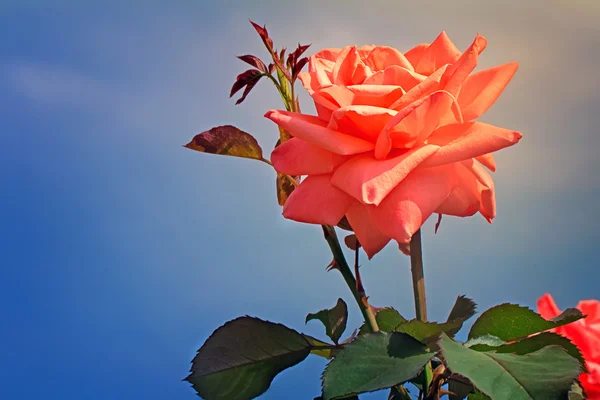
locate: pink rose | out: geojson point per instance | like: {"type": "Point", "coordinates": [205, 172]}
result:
{"type": "Point", "coordinates": [585, 333]}
{"type": "Point", "coordinates": [394, 140]}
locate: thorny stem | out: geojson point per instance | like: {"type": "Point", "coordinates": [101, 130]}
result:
{"type": "Point", "coordinates": [342, 265]}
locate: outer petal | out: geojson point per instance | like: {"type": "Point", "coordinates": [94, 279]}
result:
{"type": "Point", "coordinates": [299, 157]}
{"type": "Point", "coordinates": [370, 180]}
{"type": "Point", "coordinates": [365, 122]}
{"type": "Point", "coordinates": [367, 234]}
{"type": "Point", "coordinates": [328, 54]}
{"type": "Point", "coordinates": [481, 89]}
{"type": "Point", "coordinates": [457, 73]}
{"type": "Point", "coordinates": [487, 190]}
{"type": "Point", "coordinates": [488, 161]}
{"type": "Point", "coordinates": [312, 130]}
{"type": "Point", "coordinates": [440, 52]}
{"type": "Point", "coordinates": [414, 55]}
{"type": "Point", "coordinates": [409, 205]}
{"type": "Point", "coordinates": [547, 307]}
{"type": "Point", "coordinates": [382, 57]}
{"type": "Point", "coordinates": [465, 199]}
{"type": "Point", "coordinates": [316, 201]}
{"type": "Point", "coordinates": [591, 308]}
{"type": "Point", "coordinates": [463, 141]}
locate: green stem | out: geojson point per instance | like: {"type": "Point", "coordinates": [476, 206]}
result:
{"type": "Point", "coordinates": [340, 260]}
{"type": "Point", "coordinates": [418, 280]}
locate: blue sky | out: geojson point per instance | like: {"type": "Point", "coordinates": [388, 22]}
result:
{"type": "Point", "coordinates": [122, 251]}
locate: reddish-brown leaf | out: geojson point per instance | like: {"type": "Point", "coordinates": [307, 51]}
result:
{"type": "Point", "coordinates": [264, 35]}
{"type": "Point", "coordinates": [254, 61]}
{"type": "Point", "coordinates": [227, 140]}
{"type": "Point", "coordinates": [248, 79]}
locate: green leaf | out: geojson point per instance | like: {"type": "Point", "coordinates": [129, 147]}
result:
{"type": "Point", "coordinates": [241, 358]}
{"type": "Point", "coordinates": [464, 308]}
{"type": "Point", "coordinates": [510, 322]}
{"type": "Point", "coordinates": [544, 374]}
{"type": "Point", "coordinates": [320, 348]}
{"type": "Point", "coordinates": [334, 320]}
{"type": "Point", "coordinates": [477, 395]}
{"type": "Point", "coordinates": [429, 332]}
{"type": "Point", "coordinates": [227, 140]}
{"type": "Point", "coordinates": [460, 386]}
{"type": "Point", "coordinates": [387, 319]}
{"type": "Point", "coordinates": [534, 343]}
{"type": "Point", "coordinates": [487, 341]}
{"type": "Point", "coordinates": [372, 362]}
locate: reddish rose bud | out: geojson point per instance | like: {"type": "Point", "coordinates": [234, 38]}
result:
{"type": "Point", "coordinates": [254, 61]}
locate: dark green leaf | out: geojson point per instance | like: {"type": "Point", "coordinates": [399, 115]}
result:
{"type": "Point", "coordinates": [387, 319]}
{"type": "Point", "coordinates": [486, 342]}
{"type": "Point", "coordinates": [544, 374]}
{"type": "Point", "coordinates": [334, 320]}
{"type": "Point", "coordinates": [464, 308]}
{"type": "Point", "coordinates": [372, 362]}
{"type": "Point", "coordinates": [241, 358]}
{"type": "Point", "coordinates": [320, 348]}
{"type": "Point", "coordinates": [477, 395]}
{"type": "Point", "coordinates": [227, 140]}
{"type": "Point", "coordinates": [427, 332]}
{"type": "Point", "coordinates": [510, 322]}
{"type": "Point", "coordinates": [535, 343]}
{"type": "Point", "coordinates": [459, 386]}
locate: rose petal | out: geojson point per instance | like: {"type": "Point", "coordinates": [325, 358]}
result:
{"type": "Point", "coordinates": [465, 199]}
{"type": "Point", "coordinates": [370, 180]}
{"type": "Point", "coordinates": [463, 141]}
{"type": "Point", "coordinates": [440, 52]}
{"type": "Point", "coordinates": [423, 89]}
{"type": "Point", "coordinates": [487, 189]}
{"type": "Point", "coordinates": [397, 76]}
{"type": "Point", "coordinates": [409, 205]}
{"type": "Point", "coordinates": [546, 307]}
{"type": "Point", "coordinates": [382, 57]}
{"type": "Point", "coordinates": [488, 161]}
{"type": "Point", "coordinates": [349, 69]}
{"type": "Point", "coordinates": [458, 72]}
{"type": "Point", "coordinates": [375, 95]}
{"type": "Point", "coordinates": [299, 157]}
{"type": "Point", "coordinates": [312, 130]}
{"type": "Point", "coordinates": [316, 201]}
{"type": "Point", "coordinates": [591, 308]}
{"type": "Point", "coordinates": [365, 122]}
{"type": "Point", "coordinates": [414, 123]}
{"type": "Point", "coordinates": [328, 54]}
{"type": "Point", "coordinates": [367, 234]}
{"type": "Point", "coordinates": [414, 55]}
{"type": "Point", "coordinates": [481, 89]}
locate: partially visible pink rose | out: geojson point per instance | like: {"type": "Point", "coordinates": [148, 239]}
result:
{"type": "Point", "coordinates": [585, 333]}
{"type": "Point", "coordinates": [394, 139]}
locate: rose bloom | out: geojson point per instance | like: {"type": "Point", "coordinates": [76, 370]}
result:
{"type": "Point", "coordinates": [585, 333]}
{"type": "Point", "coordinates": [394, 140]}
